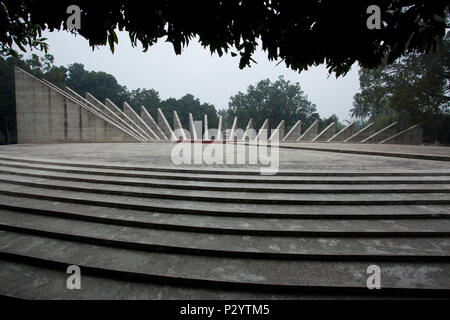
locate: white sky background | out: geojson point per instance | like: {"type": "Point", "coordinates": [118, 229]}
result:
{"type": "Point", "coordinates": [212, 79]}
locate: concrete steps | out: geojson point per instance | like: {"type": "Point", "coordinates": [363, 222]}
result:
{"type": "Point", "coordinates": [196, 231]}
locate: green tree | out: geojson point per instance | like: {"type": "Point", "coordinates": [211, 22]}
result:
{"type": "Point", "coordinates": [276, 101]}
{"type": "Point", "coordinates": [413, 89]}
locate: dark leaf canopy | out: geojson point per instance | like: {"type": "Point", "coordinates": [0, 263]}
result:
{"type": "Point", "coordinates": [300, 33]}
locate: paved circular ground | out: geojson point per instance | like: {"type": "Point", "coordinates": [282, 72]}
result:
{"type": "Point", "coordinates": [159, 154]}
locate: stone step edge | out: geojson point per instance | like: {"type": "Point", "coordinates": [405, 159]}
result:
{"type": "Point", "coordinates": [282, 172]}
{"type": "Point", "coordinates": [271, 189]}
{"type": "Point", "coordinates": [235, 179]}
{"type": "Point", "coordinates": [201, 198]}
{"type": "Point", "coordinates": [225, 231]}
{"type": "Point", "coordinates": [192, 251]}
{"type": "Point", "coordinates": [179, 210]}
{"type": "Point", "coordinates": [226, 285]}
{"type": "Point", "coordinates": [417, 156]}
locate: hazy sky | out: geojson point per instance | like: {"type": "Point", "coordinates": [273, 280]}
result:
{"type": "Point", "coordinates": [212, 79]}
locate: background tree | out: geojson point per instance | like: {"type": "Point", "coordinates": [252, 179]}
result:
{"type": "Point", "coordinates": [276, 101]}
{"type": "Point", "coordinates": [413, 89]}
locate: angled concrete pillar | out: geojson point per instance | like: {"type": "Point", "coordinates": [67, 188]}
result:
{"type": "Point", "coordinates": [363, 133]}
{"type": "Point", "coordinates": [148, 119]}
{"type": "Point", "coordinates": [310, 133]}
{"type": "Point", "coordinates": [249, 133]}
{"type": "Point", "coordinates": [100, 109]}
{"type": "Point", "coordinates": [326, 133]}
{"type": "Point", "coordinates": [232, 130]}
{"type": "Point", "coordinates": [412, 135]}
{"type": "Point", "coordinates": [116, 117]}
{"type": "Point", "coordinates": [177, 127]}
{"type": "Point", "coordinates": [219, 129]}
{"type": "Point", "coordinates": [110, 105]}
{"type": "Point", "coordinates": [205, 127]}
{"type": "Point", "coordinates": [278, 132]}
{"type": "Point", "coordinates": [192, 130]}
{"type": "Point", "coordinates": [129, 111]}
{"type": "Point", "coordinates": [165, 126]}
{"type": "Point", "coordinates": [345, 133]}
{"type": "Point", "coordinates": [382, 134]}
{"type": "Point", "coordinates": [263, 131]}
{"type": "Point", "coordinates": [294, 133]}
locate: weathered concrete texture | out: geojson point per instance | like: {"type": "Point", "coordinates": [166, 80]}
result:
{"type": "Point", "coordinates": [382, 134]}
{"type": "Point", "coordinates": [231, 132]}
{"type": "Point", "coordinates": [263, 132]}
{"type": "Point", "coordinates": [129, 111]}
{"type": "Point", "coordinates": [362, 134]}
{"type": "Point", "coordinates": [219, 135]}
{"type": "Point", "coordinates": [310, 133]}
{"type": "Point", "coordinates": [278, 132]}
{"type": "Point", "coordinates": [165, 126]}
{"type": "Point", "coordinates": [412, 135]}
{"type": "Point", "coordinates": [295, 132]}
{"type": "Point", "coordinates": [111, 106]}
{"type": "Point", "coordinates": [115, 212]}
{"type": "Point", "coordinates": [115, 117]}
{"type": "Point", "coordinates": [205, 127]}
{"type": "Point", "coordinates": [177, 127]}
{"type": "Point", "coordinates": [192, 130]}
{"type": "Point", "coordinates": [47, 114]}
{"type": "Point", "coordinates": [148, 119]}
{"type": "Point", "coordinates": [249, 133]}
{"type": "Point", "coordinates": [326, 133]}
{"type": "Point", "coordinates": [344, 134]}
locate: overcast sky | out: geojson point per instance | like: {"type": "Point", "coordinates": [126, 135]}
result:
{"type": "Point", "coordinates": [212, 79]}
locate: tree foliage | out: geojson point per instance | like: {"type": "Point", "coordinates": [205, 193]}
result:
{"type": "Point", "coordinates": [413, 89]}
{"type": "Point", "coordinates": [276, 101]}
{"type": "Point", "coordinates": [300, 33]}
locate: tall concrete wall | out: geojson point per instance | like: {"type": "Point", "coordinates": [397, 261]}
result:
{"type": "Point", "coordinates": [46, 114]}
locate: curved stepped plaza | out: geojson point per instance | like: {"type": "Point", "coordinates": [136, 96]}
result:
{"type": "Point", "coordinates": [139, 227]}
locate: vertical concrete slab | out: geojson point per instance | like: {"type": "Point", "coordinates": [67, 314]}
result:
{"type": "Point", "coordinates": [232, 130]}
{"type": "Point", "coordinates": [326, 133]}
{"type": "Point", "coordinates": [382, 134]}
{"type": "Point", "coordinates": [177, 127]}
{"type": "Point", "coordinates": [363, 133]}
{"type": "Point", "coordinates": [249, 133]}
{"type": "Point", "coordinates": [129, 111]}
{"type": "Point", "coordinates": [310, 133]}
{"type": "Point", "coordinates": [263, 131]}
{"type": "Point", "coordinates": [219, 130]}
{"type": "Point", "coordinates": [165, 127]}
{"type": "Point", "coordinates": [278, 132]}
{"type": "Point", "coordinates": [345, 133]}
{"type": "Point", "coordinates": [205, 127]}
{"type": "Point", "coordinates": [147, 118]}
{"type": "Point", "coordinates": [192, 130]}
{"type": "Point", "coordinates": [412, 135]}
{"type": "Point", "coordinates": [294, 133]}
